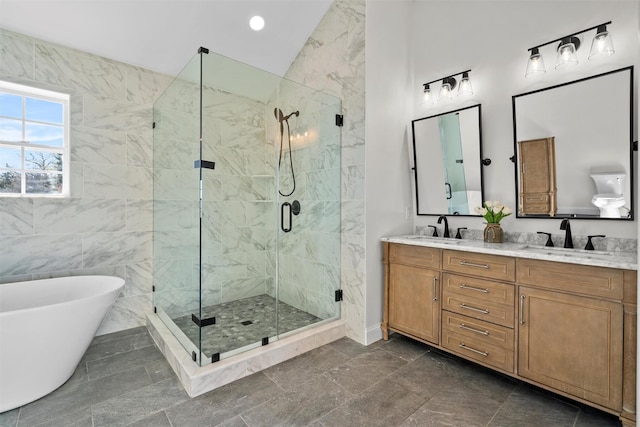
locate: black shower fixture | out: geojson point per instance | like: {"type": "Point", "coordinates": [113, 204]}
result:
{"type": "Point", "coordinates": [281, 118]}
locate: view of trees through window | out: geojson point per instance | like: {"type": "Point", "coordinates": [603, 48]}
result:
{"type": "Point", "coordinates": [33, 141]}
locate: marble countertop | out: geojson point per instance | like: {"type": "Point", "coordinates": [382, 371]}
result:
{"type": "Point", "coordinates": [622, 260]}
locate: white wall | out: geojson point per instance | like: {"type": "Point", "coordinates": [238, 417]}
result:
{"type": "Point", "coordinates": [388, 106]}
{"type": "Point", "coordinates": [409, 43]}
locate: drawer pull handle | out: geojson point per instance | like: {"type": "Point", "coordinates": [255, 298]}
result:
{"type": "Point", "coordinates": [471, 264]}
{"type": "Point", "coordinates": [522, 297]}
{"type": "Point", "coordinates": [477, 331]}
{"type": "Point", "coordinates": [479, 310]}
{"type": "Point", "coordinates": [483, 353]}
{"type": "Point", "coordinates": [473, 288]}
{"type": "Point", "coordinates": [435, 289]}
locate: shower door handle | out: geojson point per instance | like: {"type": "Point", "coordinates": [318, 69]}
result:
{"type": "Point", "coordinates": [285, 229]}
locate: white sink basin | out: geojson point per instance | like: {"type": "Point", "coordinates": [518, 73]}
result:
{"type": "Point", "coordinates": [550, 250]}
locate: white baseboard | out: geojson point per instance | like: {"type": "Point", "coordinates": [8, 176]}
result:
{"type": "Point", "coordinates": [373, 334]}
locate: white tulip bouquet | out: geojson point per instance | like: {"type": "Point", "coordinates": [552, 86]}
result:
{"type": "Point", "coordinates": [493, 212]}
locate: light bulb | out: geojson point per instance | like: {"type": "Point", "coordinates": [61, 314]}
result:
{"type": "Point", "coordinates": [465, 85]}
{"type": "Point", "coordinates": [602, 44]}
{"type": "Point", "coordinates": [567, 52]}
{"type": "Point", "coordinates": [535, 65]}
{"type": "Point", "coordinates": [256, 23]}
{"type": "Point", "coordinates": [427, 96]}
{"type": "Point", "coordinates": [446, 89]}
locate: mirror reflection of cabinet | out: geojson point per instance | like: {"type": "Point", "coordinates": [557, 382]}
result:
{"type": "Point", "coordinates": [592, 122]}
{"type": "Point", "coordinates": [537, 177]}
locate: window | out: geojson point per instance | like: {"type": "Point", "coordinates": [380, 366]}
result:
{"type": "Point", "coordinates": [34, 142]}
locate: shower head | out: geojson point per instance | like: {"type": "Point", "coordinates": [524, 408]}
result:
{"type": "Point", "coordinates": [281, 117]}
{"type": "Point", "coordinates": [295, 113]}
{"type": "Point", "coordinates": [278, 113]}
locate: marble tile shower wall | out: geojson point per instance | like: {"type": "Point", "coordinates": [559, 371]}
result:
{"type": "Point", "coordinates": [238, 199]}
{"type": "Point", "coordinates": [333, 60]}
{"type": "Point", "coordinates": [105, 226]}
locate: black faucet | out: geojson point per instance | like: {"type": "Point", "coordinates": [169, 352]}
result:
{"type": "Point", "coordinates": [458, 235]}
{"type": "Point", "coordinates": [446, 225]}
{"type": "Point", "coordinates": [568, 240]}
{"type": "Point", "coordinates": [435, 231]}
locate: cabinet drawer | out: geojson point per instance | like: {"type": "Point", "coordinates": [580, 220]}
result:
{"type": "Point", "coordinates": [479, 330]}
{"type": "Point", "coordinates": [536, 208]}
{"type": "Point", "coordinates": [415, 255]}
{"type": "Point", "coordinates": [482, 265]}
{"type": "Point", "coordinates": [478, 289]}
{"type": "Point", "coordinates": [502, 314]}
{"type": "Point", "coordinates": [582, 279]}
{"type": "Point", "coordinates": [478, 349]}
{"type": "Point", "coordinates": [536, 198]}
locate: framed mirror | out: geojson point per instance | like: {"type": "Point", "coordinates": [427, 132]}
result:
{"type": "Point", "coordinates": [447, 158]}
{"type": "Point", "coordinates": [573, 148]}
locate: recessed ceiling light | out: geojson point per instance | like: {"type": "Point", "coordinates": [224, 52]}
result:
{"type": "Point", "coordinates": [256, 23]}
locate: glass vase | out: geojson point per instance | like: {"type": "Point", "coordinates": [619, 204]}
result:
{"type": "Point", "coordinates": [493, 233]}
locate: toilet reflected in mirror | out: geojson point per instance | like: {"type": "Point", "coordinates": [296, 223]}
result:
{"type": "Point", "coordinates": [609, 197]}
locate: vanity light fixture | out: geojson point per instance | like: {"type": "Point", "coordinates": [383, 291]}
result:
{"type": "Point", "coordinates": [567, 52]}
{"type": "Point", "coordinates": [601, 46]}
{"type": "Point", "coordinates": [449, 83]}
{"type": "Point", "coordinates": [446, 90]}
{"type": "Point", "coordinates": [427, 96]}
{"type": "Point", "coordinates": [535, 64]}
{"type": "Point", "coordinates": [464, 88]}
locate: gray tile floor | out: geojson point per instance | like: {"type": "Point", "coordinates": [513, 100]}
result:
{"type": "Point", "coordinates": [123, 380]}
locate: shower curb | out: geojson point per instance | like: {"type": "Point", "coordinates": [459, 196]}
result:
{"type": "Point", "coordinates": [197, 380]}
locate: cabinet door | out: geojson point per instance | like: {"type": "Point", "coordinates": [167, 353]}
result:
{"type": "Point", "coordinates": [414, 301]}
{"type": "Point", "coordinates": [572, 344]}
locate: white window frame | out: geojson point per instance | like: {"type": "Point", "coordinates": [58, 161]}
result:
{"type": "Point", "coordinates": [65, 150]}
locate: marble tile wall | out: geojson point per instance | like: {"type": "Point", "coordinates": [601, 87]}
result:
{"type": "Point", "coordinates": [105, 226]}
{"type": "Point", "coordinates": [333, 60]}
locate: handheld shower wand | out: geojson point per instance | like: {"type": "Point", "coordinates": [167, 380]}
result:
{"type": "Point", "coordinates": [281, 118]}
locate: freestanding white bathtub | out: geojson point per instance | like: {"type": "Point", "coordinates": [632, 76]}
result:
{"type": "Point", "coordinates": [45, 329]}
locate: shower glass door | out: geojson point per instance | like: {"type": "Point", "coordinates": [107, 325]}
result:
{"type": "Point", "coordinates": [236, 266]}
{"type": "Point", "coordinates": [307, 158]}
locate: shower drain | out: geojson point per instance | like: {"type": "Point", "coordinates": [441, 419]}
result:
{"type": "Point", "coordinates": [246, 322]}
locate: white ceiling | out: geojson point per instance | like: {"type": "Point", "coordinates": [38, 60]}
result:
{"type": "Point", "coordinates": [163, 35]}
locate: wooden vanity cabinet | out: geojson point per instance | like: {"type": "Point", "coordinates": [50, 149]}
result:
{"type": "Point", "coordinates": [565, 327]}
{"type": "Point", "coordinates": [412, 297]}
{"type": "Point", "coordinates": [572, 331]}
{"type": "Point", "coordinates": [478, 307]}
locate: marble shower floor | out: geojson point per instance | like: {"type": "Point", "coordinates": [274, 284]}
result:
{"type": "Point", "coordinates": [243, 322]}
{"type": "Point", "coordinates": [123, 380]}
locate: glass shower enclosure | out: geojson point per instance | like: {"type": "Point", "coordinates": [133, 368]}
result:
{"type": "Point", "coordinates": [246, 209]}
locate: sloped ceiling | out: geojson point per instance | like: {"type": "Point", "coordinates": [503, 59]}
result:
{"type": "Point", "coordinates": [163, 35]}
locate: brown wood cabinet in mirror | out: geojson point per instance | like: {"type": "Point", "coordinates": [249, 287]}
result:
{"type": "Point", "coordinates": [537, 177]}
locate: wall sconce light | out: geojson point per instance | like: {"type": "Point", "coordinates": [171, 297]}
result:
{"type": "Point", "coordinates": [535, 64]}
{"type": "Point", "coordinates": [601, 46]}
{"type": "Point", "coordinates": [427, 97]}
{"type": "Point", "coordinates": [447, 87]}
{"type": "Point", "coordinates": [446, 90]}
